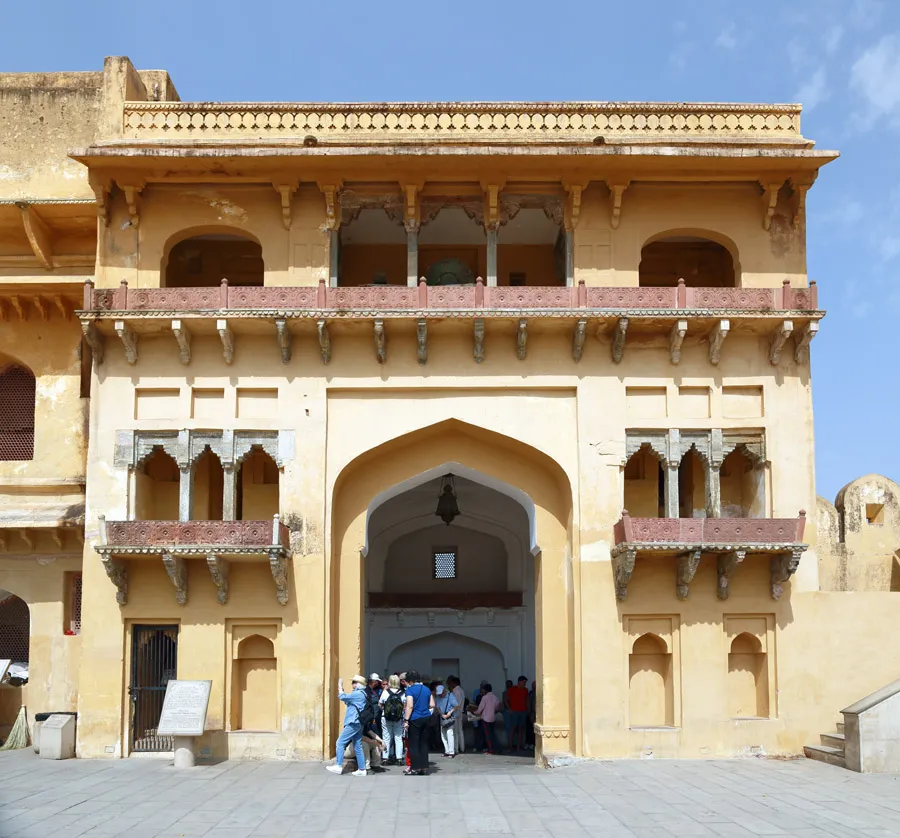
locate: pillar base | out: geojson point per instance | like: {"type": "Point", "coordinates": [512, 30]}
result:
{"type": "Point", "coordinates": [184, 752]}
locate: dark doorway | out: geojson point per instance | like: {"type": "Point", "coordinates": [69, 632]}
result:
{"type": "Point", "coordinates": [154, 661]}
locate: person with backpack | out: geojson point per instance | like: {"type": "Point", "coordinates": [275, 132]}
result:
{"type": "Point", "coordinates": [358, 717]}
{"type": "Point", "coordinates": [391, 702]}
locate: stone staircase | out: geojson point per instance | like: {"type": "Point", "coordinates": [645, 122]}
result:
{"type": "Point", "coordinates": [831, 749]}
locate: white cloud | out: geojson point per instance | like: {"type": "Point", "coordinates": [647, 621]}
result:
{"type": "Point", "coordinates": [876, 77]}
{"type": "Point", "coordinates": [727, 38]}
{"type": "Point", "coordinates": [814, 90]}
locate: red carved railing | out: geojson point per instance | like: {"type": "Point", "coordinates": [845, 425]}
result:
{"type": "Point", "coordinates": [630, 530]}
{"type": "Point", "coordinates": [478, 296]}
{"type": "Point", "coordinates": [183, 533]}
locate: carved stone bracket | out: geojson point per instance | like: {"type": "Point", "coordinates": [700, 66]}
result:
{"type": "Point", "coordinates": [283, 334]}
{"type": "Point", "coordinates": [676, 338]}
{"type": "Point", "coordinates": [38, 234]}
{"type": "Point", "coordinates": [380, 341]}
{"type": "Point", "coordinates": [685, 570]}
{"type": "Point", "coordinates": [286, 191]}
{"type": "Point", "coordinates": [176, 567]}
{"type": "Point", "coordinates": [522, 339]}
{"type": "Point", "coordinates": [218, 569]}
{"type": "Point", "coordinates": [727, 564]}
{"type": "Point", "coordinates": [324, 340]}
{"type": "Point", "coordinates": [183, 337]}
{"type": "Point", "coordinates": [776, 342]}
{"type": "Point", "coordinates": [478, 351]}
{"type": "Point", "coordinates": [623, 567]}
{"type": "Point", "coordinates": [769, 202]}
{"type": "Point", "coordinates": [278, 564]}
{"type": "Point", "coordinates": [800, 186]}
{"type": "Point", "coordinates": [618, 343]}
{"type": "Point", "coordinates": [129, 340]}
{"type": "Point", "coordinates": [118, 574]}
{"type": "Point", "coordinates": [133, 200]}
{"type": "Point", "coordinates": [94, 339]}
{"type": "Point", "coordinates": [578, 338]}
{"type": "Point", "coordinates": [331, 191]}
{"type": "Point", "coordinates": [782, 568]}
{"type": "Point", "coordinates": [801, 349]}
{"type": "Point", "coordinates": [227, 337]}
{"type": "Point", "coordinates": [572, 209]}
{"type": "Point", "coordinates": [101, 190]}
{"type": "Point", "coordinates": [422, 341]}
{"type": "Point", "coordinates": [616, 191]}
{"type": "Point", "coordinates": [716, 339]}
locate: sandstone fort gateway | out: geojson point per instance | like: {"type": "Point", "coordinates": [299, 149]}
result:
{"type": "Point", "coordinates": [245, 348]}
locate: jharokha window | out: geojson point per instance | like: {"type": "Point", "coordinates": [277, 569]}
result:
{"type": "Point", "coordinates": [16, 414]}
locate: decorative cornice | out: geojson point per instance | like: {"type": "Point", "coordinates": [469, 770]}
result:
{"type": "Point", "coordinates": [470, 122]}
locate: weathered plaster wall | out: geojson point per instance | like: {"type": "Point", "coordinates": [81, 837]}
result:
{"type": "Point", "coordinates": [856, 553]}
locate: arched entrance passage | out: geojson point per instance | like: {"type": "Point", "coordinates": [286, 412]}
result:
{"type": "Point", "coordinates": [525, 476]}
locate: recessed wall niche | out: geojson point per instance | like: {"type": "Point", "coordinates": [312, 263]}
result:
{"type": "Point", "coordinates": [254, 694]}
{"type": "Point", "coordinates": [653, 668]}
{"type": "Point", "coordinates": [749, 643]}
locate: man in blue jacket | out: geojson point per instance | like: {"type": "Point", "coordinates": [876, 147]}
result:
{"type": "Point", "coordinates": [357, 704]}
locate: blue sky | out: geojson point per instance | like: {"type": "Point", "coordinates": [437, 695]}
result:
{"type": "Point", "coordinates": [840, 58]}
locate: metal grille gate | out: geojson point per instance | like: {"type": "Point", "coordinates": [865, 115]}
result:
{"type": "Point", "coordinates": [154, 661]}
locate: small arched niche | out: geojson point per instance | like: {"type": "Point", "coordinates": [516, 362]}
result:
{"type": "Point", "coordinates": [742, 486]}
{"type": "Point", "coordinates": [205, 259]}
{"type": "Point", "coordinates": [748, 678]}
{"type": "Point", "coordinates": [17, 394]}
{"type": "Point", "coordinates": [692, 486]}
{"type": "Point", "coordinates": [209, 488]}
{"type": "Point", "coordinates": [700, 261]}
{"type": "Point", "coordinates": [156, 482]}
{"type": "Point", "coordinates": [650, 683]}
{"type": "Point", "coordinates": [258, 487]}
{"type": "Point", "coordinates": [254, 704]}
{"type": "Point", "coordinates": [644, 484]}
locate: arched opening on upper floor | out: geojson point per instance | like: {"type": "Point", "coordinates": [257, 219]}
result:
{"type": "Point", "coordinates": [17, 397]}
{"type": "Point", "coordinates": [257, 495]}
{"type": "Point", "coordinates": [702, 258]}
{"type": "Point", "coordinates": [209, 488]}
{"type": "Point", "coordinates": [742, 477]}
{"type": "Point", "coordinates": [156, 485]}
{"type": "Point", "coordinates": [644, 484]}
{"type": "Point", "coordinates": [203, 257]}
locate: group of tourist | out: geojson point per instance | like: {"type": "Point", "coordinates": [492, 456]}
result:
{"type": "Point", "coordinates": [397, 721]}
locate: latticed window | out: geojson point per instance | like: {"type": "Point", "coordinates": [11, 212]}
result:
{"type": "Point", "coordinates": [445, 564]}
{"type": "Point", "coordinates": [16, 414]}
{"type": "Point", "coordinates": [15, 628]}
{"type": "Point", "coordinates": [75, 604]}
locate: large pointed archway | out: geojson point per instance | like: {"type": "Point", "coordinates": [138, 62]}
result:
{"type": "Point", "coordinates": [532, 515]}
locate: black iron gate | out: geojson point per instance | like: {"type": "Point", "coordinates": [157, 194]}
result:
{"type": "Point", "coordinates": [154, 661]}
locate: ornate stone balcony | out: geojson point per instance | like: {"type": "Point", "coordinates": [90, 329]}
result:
{"type": "Point", "coordinates": [218, 542]}
{"type": "Point", "coordinates": [730, 539]}
{"type": "Point", "coordinates": [617, 312]}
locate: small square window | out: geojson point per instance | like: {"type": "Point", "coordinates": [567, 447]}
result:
{"type": "Point", "coordinates": [445, 564]}
{"type": "Point", "coordinates": [875, 513]}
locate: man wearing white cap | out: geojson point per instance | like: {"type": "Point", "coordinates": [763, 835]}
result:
{"type": "Point", "coordinates": [357, 715]}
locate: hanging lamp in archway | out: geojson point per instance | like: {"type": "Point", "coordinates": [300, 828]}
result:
{"type": "Point", "coordinates": [447, 507]}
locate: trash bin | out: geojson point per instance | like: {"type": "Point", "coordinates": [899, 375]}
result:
{"type": "Point", "coordinates": [39, 719]}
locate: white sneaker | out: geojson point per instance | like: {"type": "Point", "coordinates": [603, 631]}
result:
{"type": "Point", "coordinates": [360, 773]}
{"type": "Point", "coordinates": [335, 769]}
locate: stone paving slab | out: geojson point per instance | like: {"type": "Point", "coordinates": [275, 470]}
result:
{"type": "Point", "coordinates": [472, 795]}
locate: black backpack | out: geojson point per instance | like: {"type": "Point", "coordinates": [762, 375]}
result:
{"type": "Point", "coordinates": [366, 715]}
{"type": "Point", "coordinates": [393, 707]}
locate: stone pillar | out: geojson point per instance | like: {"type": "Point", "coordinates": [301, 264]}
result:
{"type": "Point", "coordinates": [673, 461]}
{"type": "Point", "coordinates": [229, 494]}
{"type": "Point", "coordinates": [570, 258]}
{"type": "Point", "coordinates": [185, 491]}
{"type": "Point", "coordinates": [493, 239]}
{"type": "Point", "coordinates": [713, 475]}
{"type": "Point", "coordinates": [412, 254]}
{"type": "Point", "coordinates": [334, 254]}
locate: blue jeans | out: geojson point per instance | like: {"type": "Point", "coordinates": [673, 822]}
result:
{"type": "Point", "coordinates": [352, 732]}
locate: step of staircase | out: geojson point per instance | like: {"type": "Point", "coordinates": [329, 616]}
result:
{"type": "Point", "coordinates": [840, 727]}
{"type": "Point", "coordinates": [825, 753]}
{"type": "Point", "coordinates": [834, 740]}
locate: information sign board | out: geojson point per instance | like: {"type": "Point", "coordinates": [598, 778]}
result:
{"type": "Point", "coordinates": [184, 708]}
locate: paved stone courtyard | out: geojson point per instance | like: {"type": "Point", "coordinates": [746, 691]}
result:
{"type": "Point", "coordinates": [472, 795]}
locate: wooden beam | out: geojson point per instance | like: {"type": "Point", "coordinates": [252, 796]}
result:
{"type": "Point", "coordinates": [38, 233]}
